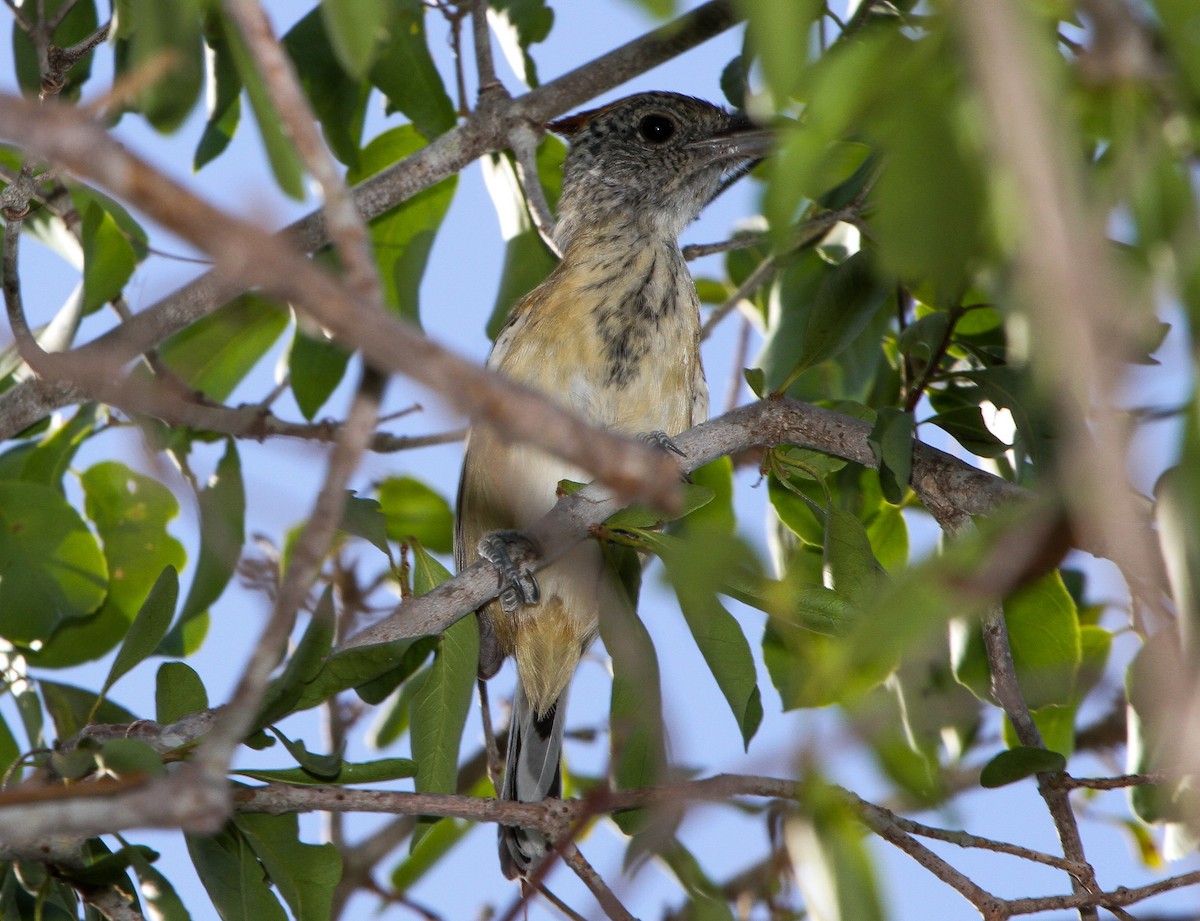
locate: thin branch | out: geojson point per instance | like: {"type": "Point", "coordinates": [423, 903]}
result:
{"type": "Point", "coordinates": [254, 258]}
{"type": "Point", "coordinates": [604, 895]}
{"type": "Point", "coordinates": [1114, 783]}
{"type": "Point", "coordinates": [1114, 899]}
{"type": "Point", "coordinates": [485, 67]}
{"type": "Point", "coordinates": [485, 131]}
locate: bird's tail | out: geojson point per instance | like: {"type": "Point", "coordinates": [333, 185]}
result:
{"type": "Point", "coordinates": [532, 772]}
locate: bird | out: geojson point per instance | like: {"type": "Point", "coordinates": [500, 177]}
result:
{"type": "Point", "coordinates": [613, 333]}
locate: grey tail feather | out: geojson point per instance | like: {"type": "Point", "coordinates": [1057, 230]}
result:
{"type": "Point", "coordinates": [532, 772]}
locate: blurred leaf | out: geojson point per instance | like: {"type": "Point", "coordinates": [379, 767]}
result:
{"type": "Point", "coordinates": [178, 691]}
{"type": "Point", "coordinates": [365, 518]}
{"type": "Point", "coordinates": [237, 883]}
{"type": "Point", "coordinates": [70, 708]}
{"type": "Point", "coordinates": [705, 900]}
{"type": "Point", "coordinates": [697, 568]}
{"type": "Point", "coordinates": [778, 33]}
{"type": "Point", "coordinates": [147, 629]}
{"type": "Point", "coordinates": [367, 772]}
{"type": "Point", "coordinates": [1152, 725]}
{"type": "Point", "coordinates": [521, 23]}
{"type": "Point", "coordinates": [131, 513]}
{"type": "Point", "coordinates": [428, 852]}
{"type": "Point", "coordinates": [891, 442]}
{"type": "Point", "coordinates": [304, 664]}
{"type": "Point", "coordinates": [222, 523]}
{"type": "Point", "coordinates": [527, 260]}
{"type": "Point", "coordinates": [637, 746]}
{"type": "Point", "coordinates": [966, 425]}
{"type": "Point", "coordinates": [47, 461]}
{"type": "Point", "coordinates": [403, 236]}
{"type": "Point", "coordinates": [355, 28]}
{"type": "Point", "coordinates": [128, 757]}
{"type": "Point", "coordinates": [304, 874]}
{"type": "Point", "coordinates": [216, 352]}
{"type": "Point", "coordinates": [832, 863]}
{"type": "Point", "coordinates": [441, 704]}
{"type": "Point", "coordinates": [109, 869]}
{"type": "Point", "coordinates": [315, 368]}
{"type": "Point", "coordinates": [404, 71]}
{"type": "Point", "coordinates": [9, 749]}
{"type": "Point", "coordinates": [77, 25]}
{"type": "Point", "coordinates": [51, 568]}
{"type": "Point", "coordinates": [223, 92]}
{"type": "Point", "coordinates": [693, 497]}
{"type": "Point", "coordinates": [149, 35]}
{"type": "Point", "coordinates": [1018, 763]}
{"type": "Point", "coordinates": [108, 258]}
{"type": "Point", "coordinates": [414, 511]}
{"type": "Point", "coordinates": [161, 900]}
{"type": "Point", "coordinates": [286, 164]}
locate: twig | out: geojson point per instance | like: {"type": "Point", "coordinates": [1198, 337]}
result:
{"type": "Point", "coordinates": [1114, 899]}
{"type": "Point", "coordinates": [485, 67]}
{"type": "Point", "coordinates": [1113, 783]}
{"type": "Point", "coordinates": [608, 901]}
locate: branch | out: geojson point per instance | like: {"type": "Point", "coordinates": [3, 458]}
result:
{"type": "Point", "coordinates": [253, 258]}
{"type": "Point", "coordinates": [486, 131]}
{"type": "Point", "coordinates": [768, 422]}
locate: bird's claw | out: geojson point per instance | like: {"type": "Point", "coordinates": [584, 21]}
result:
{"type": "Point", "coordinates": [518, 587]}
{"type": "Point", "coordinates": [662, 441]}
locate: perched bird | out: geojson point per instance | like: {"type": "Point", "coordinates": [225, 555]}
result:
{"type": "Point", "coordinates": [614, 334]}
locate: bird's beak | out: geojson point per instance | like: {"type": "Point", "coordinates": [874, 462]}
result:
{"type": "Point", "coordinates": [739, 144]}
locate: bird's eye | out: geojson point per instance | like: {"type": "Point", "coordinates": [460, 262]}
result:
{"type": "Point", "coordinates": [657, 129]}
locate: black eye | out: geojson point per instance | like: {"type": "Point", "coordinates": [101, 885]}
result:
{"type": "Point", "coordinates": [657, 129]}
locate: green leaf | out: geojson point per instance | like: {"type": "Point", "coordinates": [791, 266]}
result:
{"type": "Point", "coordinates": [440, 707]}
{"type": "Point", "coordinates": [216, 352]}
{"type": "Point", "coordinates": [315, 368]}
{"type": "Point", "coordinates": [108, 258]}
{"type": "Point", "coordinates": [147, 629]}
{"type": "Point", "coordinates": [350, 668]}
{"type": "Point", "coordinates": [305, 663]}
{"type": "Point", "coordinates": [222, 533]}
{"type": "Point", "coordinates": [706, 901]}
{"type": "Point", "coordinates": [355, 28]}
{"type": "Point", "coordinates": [756, 380]}
{"type": "Point", "coordinates": [403, 236]}
{"type": "Point", "coordinates": [967, 426]}
{"type": "Point", "coordinates": [233, 877]}
{"type": "Point", "coordinates": [107, 869]}
{"type": "Point", "coordinates": [428, 852]}
{"type": "Point", "coordinates": [1018, 763]}
{"type": "Point", "coordinates": [829, 853]}
{"type": "Point", "coordinates": [160, 898]}
{"type": "Point", "coordinates": [527, 259]}
{"type": "Point", "coordinates": [693, 497]}
{"type": "Point", "coordinates": [428, 573]}
{"type": "Point", "coordinates": [850, 565]}
{"type": "Point", "coordinates": [151, 34]}
{"type": "Point", "coordinates": [410, 655]}
{"type": "Point", "coordinates": [404, 71]}
{"type": "Point", "coordinates": [778, 32]}
{"type": "Point", "coordinates": [697, 567]}
{"type": "Point", "coordinates": [304, 874]}
{"type": "Point", "coordinates": [891, 442]}
{"type": "Point", "coordinates": [224, 96]}
{"type": "Point", "coordinates": [324, 767]}
{"type": "Point", "coordinates": [636, 736]}
{"type": "Point", "coordinates": [48, 460]}
{"type": "Point", "coordinates": [77, 25]}
{"type": "Point", "coordinates": [129, 757]}
{"type": "Point", "coordinates": [338, 100]}
{"type": "Point", "coordinates": [51, 568]}
{"type": "Point", "coordinates": [281, 152]}
{"type": "Point", "coordinates": [364, 518]}
{"type": "Point", "coordinates": [178, 691]}
{"type": "Point", "coordinates": [414, 511]}
{"type": "Point", "coordinates": [131, 513]}
{"type": "Point", "coordinates": [367, 772]}
{"type": "Point", "coordinates": [521, 23]}
{"type": "Point", "coordinates": [71, 708]}
{"type": "Point", "coordinates": [9, 749]}
{"type": "Point", "coordinates": [1043, 630]}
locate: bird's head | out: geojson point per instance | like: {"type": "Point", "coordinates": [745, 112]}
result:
{"type": "Point", "coordinates": [648, 164]}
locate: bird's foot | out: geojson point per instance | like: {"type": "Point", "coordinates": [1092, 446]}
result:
{"type": "Point", "coordinates": [518, 587]}
{"type": "Point", "coordinates": [662, 441]}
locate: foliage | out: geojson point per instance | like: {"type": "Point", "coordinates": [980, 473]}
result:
{"type": "Point", "coordinates": [894, 281]}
